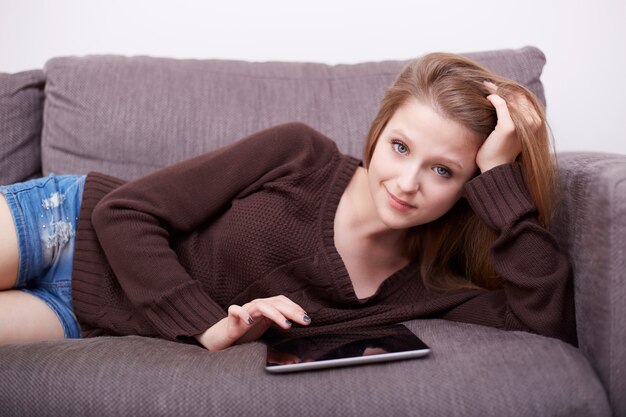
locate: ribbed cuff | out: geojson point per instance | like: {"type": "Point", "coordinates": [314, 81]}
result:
{"type": "Point", "coordinates": [500, 196]}
{"type": "Point", "coordinates": [185, 311]}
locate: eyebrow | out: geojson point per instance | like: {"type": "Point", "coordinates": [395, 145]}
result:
{"type": "Point", "coordinates": [442, 158]}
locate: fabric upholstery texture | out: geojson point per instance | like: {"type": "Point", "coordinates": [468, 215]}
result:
{"type": "Point", "coordinates": [591, 226]}
{"type": "Point", "coordinates": [21, 112]}
{"type": "Point", "coordinates": [127, 116]}
{"type": "Point", "coordinates": [473, 371]}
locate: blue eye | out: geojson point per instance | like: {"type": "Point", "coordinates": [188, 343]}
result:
{"type": "Point", "coordinates": [399, 147]}
{"type": "Point", "coordinates": [444, 172]}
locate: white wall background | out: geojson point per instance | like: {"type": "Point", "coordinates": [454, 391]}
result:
{"type": "Point", "coordinates": [584, 41]}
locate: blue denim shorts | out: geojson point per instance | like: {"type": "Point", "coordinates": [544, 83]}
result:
{"type": "Point", "coordinates": [45, 212]}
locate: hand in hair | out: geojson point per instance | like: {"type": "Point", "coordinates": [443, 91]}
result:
{"type": "Point", "coordinates": [503, 146]}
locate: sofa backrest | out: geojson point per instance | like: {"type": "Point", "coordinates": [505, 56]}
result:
{"type": "Point", "coordinates": [21, 118]}
{"type": "Point", "coordinates": [127, 116]}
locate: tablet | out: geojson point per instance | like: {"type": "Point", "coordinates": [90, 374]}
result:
{"type": "Point", "coordinates": [356, 347]}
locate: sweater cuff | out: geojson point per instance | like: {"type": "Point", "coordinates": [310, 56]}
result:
{"type": "Point", "coordinates": [500, 196]}
{"type": "Point", "coordinates": [186, 311]}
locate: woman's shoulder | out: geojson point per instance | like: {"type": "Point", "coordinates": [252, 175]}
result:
{"type": "Point", "coordinates": [293, 144]}
{"type": "Point", "coordinates": [297, 136]}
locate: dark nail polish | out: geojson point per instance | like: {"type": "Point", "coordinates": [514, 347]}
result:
{"type": "Point", "coordinates": [306, 318]}
{"type": "Point", "coordinates": [250, 321]}
{"type": "Point", "coordinates": [289, 322]}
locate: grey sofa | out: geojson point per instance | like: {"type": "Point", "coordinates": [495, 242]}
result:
{"type": "Point", "coordinates": [127, 116]}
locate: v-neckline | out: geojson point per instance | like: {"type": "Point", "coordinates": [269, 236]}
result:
{"type": "Point", "coordinates": [341, 280]}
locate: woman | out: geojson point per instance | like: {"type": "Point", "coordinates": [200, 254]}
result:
{"type": "Point", "coordinates": [445, 217]}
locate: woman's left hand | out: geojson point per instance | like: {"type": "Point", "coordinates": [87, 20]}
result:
{"type": "Point", "coordinates": [503, 145]}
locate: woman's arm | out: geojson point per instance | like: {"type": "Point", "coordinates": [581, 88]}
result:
{"type": "Point", "coordinates": [537, 294]}
{"type": "Point", "coordinates": [135, 223]}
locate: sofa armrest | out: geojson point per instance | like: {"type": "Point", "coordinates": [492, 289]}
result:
{"type": "Point", "coordinates": [590, 224]}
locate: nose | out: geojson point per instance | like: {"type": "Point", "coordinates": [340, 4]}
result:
{"type": "Point", "coordinates": [409, 180]}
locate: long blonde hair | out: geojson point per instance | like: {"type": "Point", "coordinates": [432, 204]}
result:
{"type": "Point", "coordinates": [454, 250]}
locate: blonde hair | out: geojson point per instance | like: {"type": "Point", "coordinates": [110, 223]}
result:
{"type": "Point", "coordinates": [454, 250]}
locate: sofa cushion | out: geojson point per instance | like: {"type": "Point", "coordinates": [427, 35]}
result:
{"type": "Point", "coordinates": [21, 112]}
{"type": "Point", "coordinates": [472, 371]}
{"type": "Point", "coordinates": [127, 116]}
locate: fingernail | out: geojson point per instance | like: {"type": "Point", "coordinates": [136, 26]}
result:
{"type": "Point", "coordinates": [289, 322]}
{"type": "Point", "coordinates": [250, 321]}
{"type": "Point", "coordinates": [306, 318]}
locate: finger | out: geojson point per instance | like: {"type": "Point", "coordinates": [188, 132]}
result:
{"type": "Point", "coordinates": [289, 309]}
{"type": "Point", "coordinates": [239, 322]}
{"type": "Point", "coordinates": [255, 331]}
{"type": "Point", "coordinates": [268, 310]}
{"type": "Point", "coordinates": [490, 86]}
{"type": "Point", "coordinates": [502, 112]}
{"type": "Point", "coordinates": [519, 101]}
{"type": "Point", "coordinates": [240, 313]}
{"type": "Point", "coordinates": [501, 105]}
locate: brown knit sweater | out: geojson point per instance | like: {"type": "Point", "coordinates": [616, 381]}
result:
{"type": "Point", "coordinates": [165, 255]}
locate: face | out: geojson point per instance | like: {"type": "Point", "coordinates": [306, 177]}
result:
{"type": "Point", "coordinates": [419, 166]}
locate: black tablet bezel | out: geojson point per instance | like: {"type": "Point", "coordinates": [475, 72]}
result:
{"type": "Point", "coordinates": [385, 344]}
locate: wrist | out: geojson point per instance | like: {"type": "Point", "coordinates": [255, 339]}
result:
{"type": "Point", "coordinates": [486, 166]}
{"type": "Point", "coordinates": [213, 338]}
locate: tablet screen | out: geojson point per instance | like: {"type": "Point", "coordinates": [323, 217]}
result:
{"type": "Point", "coordinates": [348, 348]}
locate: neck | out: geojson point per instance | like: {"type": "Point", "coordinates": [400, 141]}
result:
{"type": "Point", "coordinates": [362, 219]}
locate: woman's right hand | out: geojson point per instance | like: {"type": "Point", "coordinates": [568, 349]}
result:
{"type": "Point", "coordinates": [248, 322]}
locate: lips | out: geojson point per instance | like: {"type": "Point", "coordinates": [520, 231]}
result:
{"type": "Point", "coordinates": [398, 203]}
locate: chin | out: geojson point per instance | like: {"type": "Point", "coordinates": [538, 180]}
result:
{"type": "Point", "coordinates": [394, 223]}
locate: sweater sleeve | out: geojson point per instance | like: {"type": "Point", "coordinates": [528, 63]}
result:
{"type": "Point", "coordinates": [136, 222]}
{"type": "Point", "coordinates": [537, 294]}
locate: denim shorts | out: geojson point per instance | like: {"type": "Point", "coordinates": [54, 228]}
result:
{"type": "Point", "coordinates": [45, 212]}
